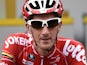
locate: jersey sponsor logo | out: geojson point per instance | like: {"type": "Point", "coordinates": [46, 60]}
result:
{"type": "Point", "coordinates": [76, 51]}
{"type": "Point", "coordinates": [2, 63]}
{"type": "Point", "coordinates": [31, 57]}
{"type": "Point", "coordinates": [26, 62]}
{"type": "Point", "coordinates": [17, 40]}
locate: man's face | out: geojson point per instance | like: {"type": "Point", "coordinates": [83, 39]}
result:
{"type": "Point", "coordinates": [44, 37]}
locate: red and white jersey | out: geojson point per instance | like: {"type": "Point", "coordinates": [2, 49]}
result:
{"type": "Point", "coordinates": [19, 49]}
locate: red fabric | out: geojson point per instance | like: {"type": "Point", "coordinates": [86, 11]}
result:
{"type": "Point", "coordinates": [18, 49]}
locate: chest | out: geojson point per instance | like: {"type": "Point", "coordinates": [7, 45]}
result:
{"type": "Point", "coordinates": [30, 57]}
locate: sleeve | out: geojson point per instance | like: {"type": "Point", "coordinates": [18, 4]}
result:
{"type": "Point", "coordinates": [10, 51]}
{"type": "Point", "coordinates": [75, 53]}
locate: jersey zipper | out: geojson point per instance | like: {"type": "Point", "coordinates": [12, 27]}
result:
{"type": "Point", "coordinates": [42, 59]}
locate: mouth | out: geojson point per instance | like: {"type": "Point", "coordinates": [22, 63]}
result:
{"type": "Point", "coordinates": [45, 38]}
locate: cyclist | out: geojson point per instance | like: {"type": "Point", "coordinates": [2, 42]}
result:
{"type": "Point", "coordinates": [40, 45]}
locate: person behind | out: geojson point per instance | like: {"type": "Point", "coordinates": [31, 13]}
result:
{"type": "Point", "coordinates": [40, 45]}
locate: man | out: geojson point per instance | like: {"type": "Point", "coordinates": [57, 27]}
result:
{"type": "Point", "coordinates": [41, 44]}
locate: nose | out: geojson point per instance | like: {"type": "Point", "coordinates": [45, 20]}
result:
{"type": "Point", "coordinates": [45, 30]}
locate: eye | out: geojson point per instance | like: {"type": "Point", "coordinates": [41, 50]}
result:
{"type": "Point", "coordinates": [52, 23]}
{"type": "Point", "coordinates": [36, 24]}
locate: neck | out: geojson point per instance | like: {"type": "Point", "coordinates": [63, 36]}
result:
{"type": "Point", "coordinates": [43, 52]}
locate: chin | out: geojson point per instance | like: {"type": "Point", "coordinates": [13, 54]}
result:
{"type": "Point", "coordinates": [46, 47]}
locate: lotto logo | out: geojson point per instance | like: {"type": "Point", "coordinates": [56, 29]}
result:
{"type": "Point", "coordinates": [76, 51]}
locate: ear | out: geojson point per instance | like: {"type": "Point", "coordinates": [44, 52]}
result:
{"type": "Point", "coordinates": [59, 26]}
{"type": "Point", "coordinates": [27, 27]}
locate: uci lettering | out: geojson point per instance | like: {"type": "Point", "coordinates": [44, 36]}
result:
{"type": "Point", "coordinates": [76, 51]}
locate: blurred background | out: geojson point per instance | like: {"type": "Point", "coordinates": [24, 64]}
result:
{"type": "Point", "coordinates": [74, 19]}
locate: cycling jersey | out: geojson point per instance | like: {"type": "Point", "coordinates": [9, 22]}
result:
{"type": "Point", "coordinates": [18, 49]}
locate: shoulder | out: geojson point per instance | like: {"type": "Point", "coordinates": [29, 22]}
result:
{"type": "Point", "coordinates": [17, 39]}
{"type": "Point", "coordinates": [69, 44]}
{"type": "Point", "coordinates": [72, 49]}
{"type": "Point", "coordinates": [68, 41]}
{"type": "Point", "coordinates": [16, 42]}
